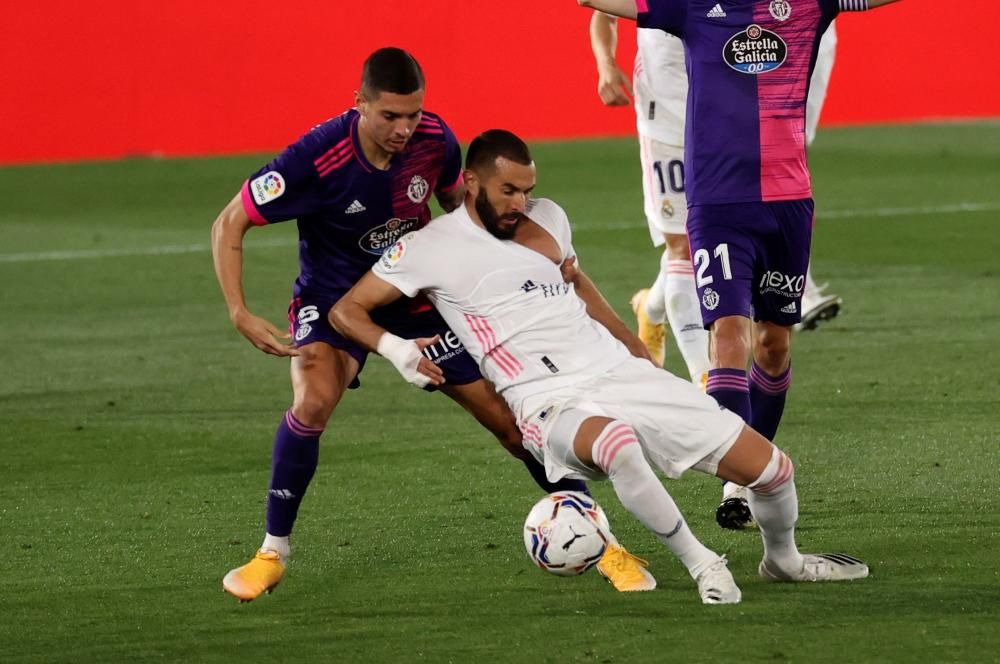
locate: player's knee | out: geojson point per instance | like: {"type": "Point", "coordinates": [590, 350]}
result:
{"type": "Point", "coordinates": [772, 350]}
{"type": "Point", "coordinates": [617, 449]}
{"type": "Point", "coordinates": [730, 344]}
{"type": "Point", "coordinates": [313, 408]}
{"type": "Point", "coordinates": [779, 472]}
{"type": "Point", "coordinates": [678, 248]}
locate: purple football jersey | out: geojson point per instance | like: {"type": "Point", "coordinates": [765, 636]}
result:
{"type": "Point", "coordinates": [749, 63]}
{"type": "Point", "coordinates": [348, 211]}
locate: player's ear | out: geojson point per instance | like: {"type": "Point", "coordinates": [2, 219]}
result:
{"type": "Point", "coordinates": [359, 101]}
{"type": "Point", "coordinates": [471, 182]}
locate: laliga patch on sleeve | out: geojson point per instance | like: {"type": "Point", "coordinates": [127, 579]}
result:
{"type": "Point", "coordinates": [267, 187]}
{"type": "Point", "coordinates": [393, 255]}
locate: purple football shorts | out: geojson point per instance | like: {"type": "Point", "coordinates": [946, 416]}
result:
{"type": "Point", "coordinates": [750, 259]}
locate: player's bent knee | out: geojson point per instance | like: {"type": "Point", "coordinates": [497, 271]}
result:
{"type": "Point", "coordinates": [314, 410]}
{"type": "Point", "coordinates": [616, 448]}
{"type": "Point", "coordinates": [779, 472]}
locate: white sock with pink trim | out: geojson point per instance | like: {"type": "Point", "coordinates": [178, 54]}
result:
{"type": "Point", "coordinates": [618, 454]}
{"type": "Point", "coordinates": [775, 507]}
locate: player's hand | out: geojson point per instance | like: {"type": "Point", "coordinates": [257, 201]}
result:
{"type": "Point", "coordinates": [426, 367]}
{"type": "Point", "coordinates": [613, 86]}
{"type": "Point", "coordinates": [407, 355]}
{"type": "Point", "coordinates": [637, 348]}
{"type": "Point", "coordinates": [569, 270]}
{"type": "Point", "coordinates": [264, 335]}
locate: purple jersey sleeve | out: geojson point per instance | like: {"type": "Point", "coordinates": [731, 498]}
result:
{"type": "Point", "coordinates": [451, 174]}
{"type": "Point", "coordinates": [666, 15]}
{"type": "Point", "coordinates": [286, 188]}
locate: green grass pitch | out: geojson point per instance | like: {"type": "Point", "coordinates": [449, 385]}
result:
{"type": "Point", "coordinates": [136, 425]}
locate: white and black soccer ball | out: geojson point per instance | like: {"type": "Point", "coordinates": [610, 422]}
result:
{"type": "Point", "coordinates": [566, 533]}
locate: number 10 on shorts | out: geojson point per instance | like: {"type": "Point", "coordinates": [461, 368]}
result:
{"type": "Point", "coordinates": [702, 260]}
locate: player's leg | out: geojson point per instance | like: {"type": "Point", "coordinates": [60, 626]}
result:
{"type": "Point", "coordinates": [480, 399]}
{"type": "Point", "coordinates": [612, 447]}
{"type": "Point", "coordinates": [769, 477]}
{"type": "Point", "coordinates": [817, 305]}
{"type": "Point", "coordinates": [724, 250]}
{"type": "Point", "coordinates": [683, 310]}
{"type": "Point", "coordinates": [770, 376]}
{"type": "Point", "coordinates": [320, 375]}
{"type": "Point", "coordinates": [777, 307]}
{"type": "Point", "coordinates": [649, 304]}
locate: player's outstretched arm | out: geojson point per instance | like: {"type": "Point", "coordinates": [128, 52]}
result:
{"type": "Point", "coordinates": [862, 5]}
{"type": "Point", "coordinates": [622, 8]}
{"type": "Point", "coordinates": [351, 316]}
{"type": "Point", "coordinates": [599, 309]}
{"type": "Point", "coordinates": [227, 254]}
{"type": "Point", "coordinates": [613, 86]}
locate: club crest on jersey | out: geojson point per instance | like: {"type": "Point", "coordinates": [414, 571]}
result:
{"type": "Point", "coordinates": [393, 254]}
{"type": "Point", "coordinates": [418, 189]}
{"type": "Point", "coordinates": [755, 51]}
{"type": "Point", "coordinates": [380, 238]}
{"type": "Point", "coordinates": [780, 10]}
{"type": "Point", "coordinates": [267, 187]}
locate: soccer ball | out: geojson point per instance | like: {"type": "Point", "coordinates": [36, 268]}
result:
{"type": "Point", "coordinates": [566, 533]}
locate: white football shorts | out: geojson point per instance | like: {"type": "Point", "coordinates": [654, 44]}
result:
{"type": "Point", "coordinates": [664, 201]}
{"type": "Point", "coordinates": [678, 425]}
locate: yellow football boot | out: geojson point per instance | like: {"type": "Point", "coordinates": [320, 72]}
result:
{"type": "Point", "coordinates": [258, 576]}
{"type": "Point", "coordinates": [652, 334]}
{"type": "Point", "coordinates": [627, 573]}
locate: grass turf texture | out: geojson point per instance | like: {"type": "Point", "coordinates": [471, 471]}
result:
{"type": "Point", "coordinates": [137, 425]}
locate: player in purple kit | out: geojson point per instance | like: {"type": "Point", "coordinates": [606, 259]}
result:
{"type": "Point", "coordinates": [749, 194]}
{"type": "Point", "coordinates": [356, 184]}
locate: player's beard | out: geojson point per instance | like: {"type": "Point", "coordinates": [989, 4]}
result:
{"type": "Point", "coordinates": [491, 220]}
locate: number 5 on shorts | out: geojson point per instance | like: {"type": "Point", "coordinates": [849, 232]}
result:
{"type": "Point", "coordinates": [702, 259]}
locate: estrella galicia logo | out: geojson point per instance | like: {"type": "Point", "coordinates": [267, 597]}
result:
{"type": "Point", "coordinates": [380, 238]}
{"type": "Point", "coordinates": [755, 51]}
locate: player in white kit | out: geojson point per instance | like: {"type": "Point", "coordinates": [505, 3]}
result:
{"type": "Point", "coordinates": [495, 269]}
{"type": "Point", "coordinates": [659, 89]}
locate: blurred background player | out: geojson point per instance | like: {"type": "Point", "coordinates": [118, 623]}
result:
{"type": "Point", "coordinates": [659, 88]}
{"type": "Point", "coordinates": [558, 354]}
{"type": "Point", "coordinates": [355, 183]}
{"type": "Point", "coordinates": [749, 192]}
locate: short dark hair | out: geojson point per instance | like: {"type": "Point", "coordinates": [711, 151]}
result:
{"type": "Point", "coordinates": [392, 70]}
{"type": "Point", "coordinates": [490, 145]}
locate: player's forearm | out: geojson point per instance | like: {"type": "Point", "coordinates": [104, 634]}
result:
{"type": "Point", "coordinates": [604, 38]}
{"type": "Point", "coordinates": [599, 309]}
{"type": "Point", "coordinates": [227, 254]}
{"type": "Point", "coordinates": [354, 321]}
{"type": "Point", "coordinates": [622, 8]}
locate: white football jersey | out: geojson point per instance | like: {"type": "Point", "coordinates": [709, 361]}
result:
{"type": "Point", "coordinates": [527, 329]}
{"type": "Point", "coordinates": [660, 83]}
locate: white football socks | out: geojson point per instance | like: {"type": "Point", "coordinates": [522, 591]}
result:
{"type": "Point", "coordinates": [277, 544]}
{"type": "Point", "coordinates": [655, 303]}
{"type": "Point", "coordinates": [617, 452]}
{"type": "Point", "coordinates": [810, 287]}
{"type": "Point", "coordinates": [684, 315]}
{"type": "Point", "coordinates": [774, 504]}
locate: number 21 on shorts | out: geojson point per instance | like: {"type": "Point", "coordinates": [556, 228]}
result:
{"type": "Point", "coordinates": [702, 260]}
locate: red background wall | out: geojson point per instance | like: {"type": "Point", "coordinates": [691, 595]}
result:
{"type": "Point", "coordinates": [185, 77]}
